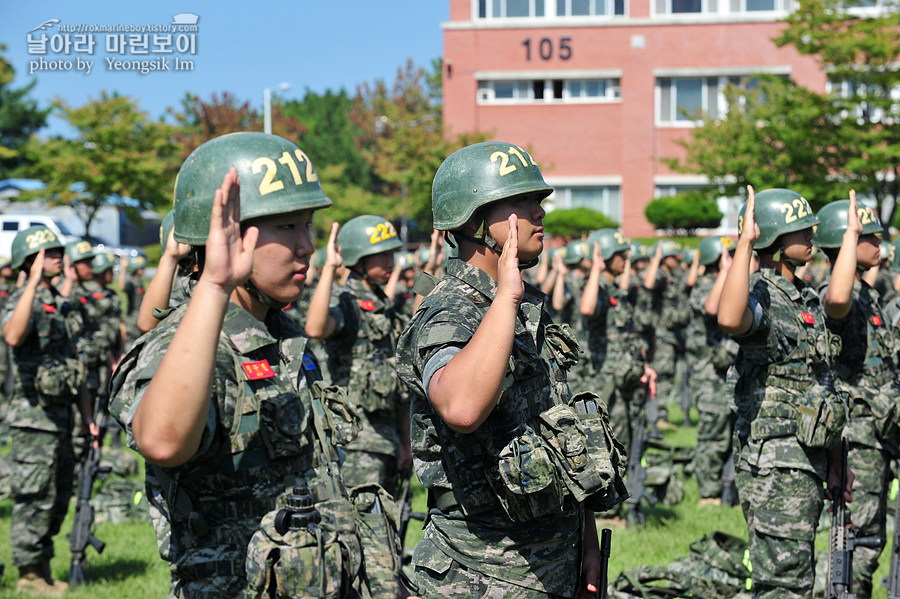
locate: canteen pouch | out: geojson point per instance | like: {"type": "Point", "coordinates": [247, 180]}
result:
{"type": "Point", "coordinates": [524, 479]}
{"type": "Point", "coordinates": [307, 562]}
{"type": "Point", "coordinates": [56, 382]}
{"type": "Point", "coordinates": [820, 417]}
{"type": "Point", "coordinates": [342, 415]}
{"type": "Point", "coordinates": [607, 454]}
{"type": "Point", "coordinates": [378, 518]}
{"type": "Point", "coordinates": [282, 422]}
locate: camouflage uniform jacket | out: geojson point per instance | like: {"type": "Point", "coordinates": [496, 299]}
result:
{"type": "Point", "coordinates": [786, 351]}
{"type": "Point", "coordinates": [92, 339]}
{"type": "Point", "coordinates": [461, 470]}
{"type": "Point", "coordinates": [361, 358]}
{"type": "Point", "coordinates": [613, 343]}
{"type": "Point", "coordinates": [109, 313]}
{"type": "Point", "coordinates": [47, 376]}
{"type": "Point", "coordinates": [717, 349]}
{"type": "Point", "coordinates": [668, 299]}
{"type": "Point", "coordinates": [866, 365]}
{"type": "Point", "coordinates": [134, 294]}
{"type": "Point", "coordinates": [263, 434]}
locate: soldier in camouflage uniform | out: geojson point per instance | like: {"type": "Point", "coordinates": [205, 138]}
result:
{"type": "Point", "coordinates": [170, 284]}
{"type": "Point", "coordinates": [866, 369]}
{"type": "Point", "coordinates": [131, 283]}
{"type": "Point", "coordinates": [491, 404]}
{"type": "Point", "coordinates": [225, 404]}
{"type": "Point", "coordinates": [616, 351]}
{"type": "Point", "coordinates": [49, 381]}
{"type": "Point", "coordinates": [716, 353]}
{"type": "Point", "coordinates": [360, 331]}
{"type": "Point", "coordinates": [568, 277]}
{"type": "Point", "coordinates": [784, 453]}
{"type": "Point", "coordinates": [7, 288]}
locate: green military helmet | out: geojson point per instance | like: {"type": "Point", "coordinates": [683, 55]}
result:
{"type": "Point", "coordinates": [669, 248]}
{"type": "Point", "coordinates": [276, 178]}
{"type": "Point", "coordinates": [576, 251]}
{"type": "Point", "coordinates": [30, 241]}
{"type": "Point", "coordinates": [610, 242]}
{"type": "Point", "coordinates": [778, 211]}
{"type": "Point", "coordinates": [79, 250]}
{"type": "Point", "coordinates": [366, 235]}
{"type": "Point", "coordinates": [479, 175]}
{"type": "Point", "coordinates": [833, 222]}
{"type": "Point", "coordinates": [422, 255]}
{"type": "Point", "coordinates": [135, 263]}
{"type": "Point", "coordinates": [165, 227]}
{"type": "Point", "coordinates": [103, 262]}
{"type": "Point", "coordinates": [639, 251]}
{"type": "Point", "coordinates": [319, 258]}
{"type": "Point", "coordinates": [711, 248]}
{"type": "Point", "coordinates": [404, 260]}
{"type": "Point", "coordinates": [893, 254]}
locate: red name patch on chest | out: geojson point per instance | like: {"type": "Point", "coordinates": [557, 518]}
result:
{"type": "Point", "coordinates": [876, 321]}
{"type": "Point", "coordinates": [49, 308]}
{"type": "Point", "coordinates": [807, 318]}
{"type": "Point", "coordinates": [258, 370]}
{"type": "Point", "coordinates": [613, 301]}
{"type": "Point", "coordinates": [368, 306]}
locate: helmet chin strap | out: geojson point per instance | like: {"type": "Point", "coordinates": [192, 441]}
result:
{"type": "Point", "coordinates": [261, 297]}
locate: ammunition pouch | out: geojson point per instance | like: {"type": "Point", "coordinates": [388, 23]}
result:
{"type": "Point", "coordinates": [378, 522]}
{"type": "Point", "coordinates": [814, 414]}
{"type": "Point", "coordinates": [342, 418]}
{"type": "Point", "coordinates": [58, 382]}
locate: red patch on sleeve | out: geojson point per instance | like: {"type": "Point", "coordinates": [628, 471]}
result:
{"type": "Point", "coordinates": [258, 370]}
{"type": "Point", "coordinates": [368, 306]}
{"type": "Point", "coordinates": [613, 301]}
{"type": "Point", "coordinates": [82, 299]}
{"type": "Point", "coordinates": [876, 320]}
{"type": "Point", "coordinates": [807, 318]}
{"type": "Point", "coordinates": [49, 308]}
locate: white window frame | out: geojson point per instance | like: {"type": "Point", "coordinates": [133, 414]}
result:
{"type": "Point", "coordinates": [610, 188]}
{"type": "Point", "coordinates": [487, 80]}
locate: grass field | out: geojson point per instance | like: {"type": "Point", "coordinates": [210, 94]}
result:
{"type": "Point", "coordinates": [130, 566]}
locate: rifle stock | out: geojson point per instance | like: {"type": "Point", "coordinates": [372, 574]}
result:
{"type": "Point", "coordinates": [891, 582]}
{"type": "Point", "coordinates": [636, 475]}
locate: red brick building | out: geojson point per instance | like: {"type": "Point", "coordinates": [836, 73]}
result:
{"type": "Point", "coordinates": [594, 88]}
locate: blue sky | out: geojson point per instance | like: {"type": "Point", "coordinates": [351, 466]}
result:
{"type": "Point", "coordinates": [242, 48]}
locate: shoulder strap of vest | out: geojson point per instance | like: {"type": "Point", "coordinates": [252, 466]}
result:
{"type": "Point", "coordinates": [424, 283]}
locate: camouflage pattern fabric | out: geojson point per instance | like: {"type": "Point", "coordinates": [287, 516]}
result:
{"type": "Point", "coordinates": [361, 358]}
{"type": "Point", "coordinates": [134, 295]}
{"type": "Point", "coordinates": [779, 480]}
{"type": "Point", "coordinates": [614, 349]}
{"type": "Point", "coordinates": [507, 540]}
{"type": "Point", "coordinates": [120, 500]}
{"type": "Point", "coordinates": [265, 430]}
{"type": "Point", "coordinates": [581, 376]}
{"type": "Point", "coordinates": [41, 419]}
{"type": "Point", "coordinates": [668, 301]}
{"type": "Point", "coordinates": [865, 368]}
{"type": "Point", "coordinates": [715, 426]}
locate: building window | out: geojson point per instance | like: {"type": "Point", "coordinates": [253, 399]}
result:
{"type": "Point", "coordinates": [712, 7]}
{"type": "Point", "coordinates": [548, 90]}
{"type": "Point", "coordinates": [606, 199]}
{"type": "Point", "coordinates": [878, 110]}
{"type": "Point", "coordinates": [681, 99]}
{"type": "Point", "coordinates": [518, 9]}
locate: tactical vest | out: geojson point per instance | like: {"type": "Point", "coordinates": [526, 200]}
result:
{"type": "Point", "coordinates": [279, 429]}
{"type": "Point", "coordinates": [538, 450]}
{"type": "Point", "coordinates": [369, 372]}
{"type": "Point", "coordinates": [794, 396]}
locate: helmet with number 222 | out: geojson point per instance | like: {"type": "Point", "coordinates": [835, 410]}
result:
{"type": "Point", "coordinates": [366, 235]}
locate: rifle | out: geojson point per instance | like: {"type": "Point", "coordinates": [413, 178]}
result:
{"type": "Point", "coordinates": [605, 550]}
{"type": "Point", "coordinates": [843, 540]}
{"type": "Point", "coordinates": [685, 389]}
{"type": "Point", "coordinates": [636, 474]}
{"type": "Point", "coordinates": [892, 581]}
{"type": "Point", "coordinates": [728, 497]}
{"type": "Point", "coordinates": [89, 470]}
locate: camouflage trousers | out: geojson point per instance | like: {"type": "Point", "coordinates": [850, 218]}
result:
{"type": "Point", "coordinates": [714, 432]}
{"type": "Point", "coordinates": [42, 480]}
{"type": "Point", "coordinates": [460, 581]}
{"type": "Point", "coordinates": [871, 467]}
{"type": "Point", "coordinates": [625, 407]}
{"type": "Point", "coordinates": [666, 360]}
{"type": "Point", "coordinates": [782, 508]}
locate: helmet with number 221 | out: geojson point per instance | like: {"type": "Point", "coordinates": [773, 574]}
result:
{"type": "Point", "coordinates": [778, 211]}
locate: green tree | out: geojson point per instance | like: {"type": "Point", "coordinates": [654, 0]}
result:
{"type": "Point", "coordinates": [575, 222]}
{"type": "Point", "coordinates": [403, 139]}
{"type": "Point", "coordinates": [19, 119]}
{"type": "Point", "coordinates": [684, 213]}
{"type": "Point", "coordinates": [777, 133]}
{"type": "Point", "coordinates": [118, 152]}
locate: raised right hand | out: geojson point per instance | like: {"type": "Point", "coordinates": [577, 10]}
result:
{"type": "Point", "coordinates": [509, 279]}
{"type": "Point", "coordinates": [749, 228]}
{"type": "Point", "coordinates": [229, 255]}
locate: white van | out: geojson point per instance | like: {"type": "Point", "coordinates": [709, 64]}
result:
{"type": "Point", "coordinates": [10, 224]}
